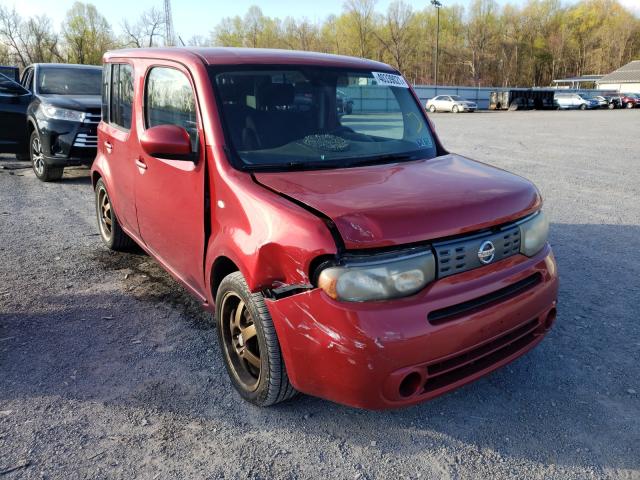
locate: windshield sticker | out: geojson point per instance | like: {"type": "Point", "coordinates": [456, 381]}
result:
{"type": "Point", "coordinates": [390, 80]}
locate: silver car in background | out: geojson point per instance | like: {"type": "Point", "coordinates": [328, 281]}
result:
{"type": "Point", "coordinates": [450, 103]}
{"type": "Point", "coordinates": [565, 101]}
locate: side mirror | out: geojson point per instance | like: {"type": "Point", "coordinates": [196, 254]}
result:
{"type": "Point", "coordinates": [10, 87]}
{"type": "Point", "coordinates": [167, 141]}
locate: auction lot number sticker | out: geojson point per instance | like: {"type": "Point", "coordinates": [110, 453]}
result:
{"type": "Point", "coordinates": [389, 80]}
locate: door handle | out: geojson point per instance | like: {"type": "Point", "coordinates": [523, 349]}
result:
{"type": "Point", "coordinates": [140, 163]}
{"type": "Point", "coordinates": [108, 146]}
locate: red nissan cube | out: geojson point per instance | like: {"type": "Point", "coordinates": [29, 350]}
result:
{"type": "Point", "coordinates": [344, 252]}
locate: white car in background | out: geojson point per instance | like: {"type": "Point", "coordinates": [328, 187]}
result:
{"type": "Point", "coordinates": [450, 103]}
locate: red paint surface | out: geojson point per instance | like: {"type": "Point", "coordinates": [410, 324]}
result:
{"type": "Point", "coordinates": [349, 353]}
{"type": "Point", "coordinates": [410, 202]}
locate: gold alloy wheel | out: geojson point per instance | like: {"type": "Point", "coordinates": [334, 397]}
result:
{"type": "Point", "coordinates": [104, 211]}
{"type": "Point", "coordinates": [240, 341]}
{"type": "Point", "coordinates": [37, 156]}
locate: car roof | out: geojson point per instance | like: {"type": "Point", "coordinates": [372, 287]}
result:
{"type": "Point", "coordinates": [247, 56]}
{"type": "Point", "coordinates": [65, 65]}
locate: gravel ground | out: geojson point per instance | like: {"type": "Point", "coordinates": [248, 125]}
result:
{"type": "Point", "coordinates": [109, 370]}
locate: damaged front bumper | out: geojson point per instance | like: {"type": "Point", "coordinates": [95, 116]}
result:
{"type": "Point", "coordinates": [391, 354]}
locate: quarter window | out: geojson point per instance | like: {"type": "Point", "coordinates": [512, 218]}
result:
{"type": "Point", "coordinates": [121, 99]}
{"type": "Point", "coordinates": [106, 82]}
{"type": "Point", "coordinates": [170, 101]}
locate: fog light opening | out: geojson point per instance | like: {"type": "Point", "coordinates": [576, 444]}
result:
{"type": "Point", "coordinates": [551, 317]}
{"type": "Point", "coordinates": [410, 384]}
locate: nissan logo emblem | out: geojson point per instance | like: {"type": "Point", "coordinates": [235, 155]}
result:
{"type": "Point", "coordinates": [487, 252]}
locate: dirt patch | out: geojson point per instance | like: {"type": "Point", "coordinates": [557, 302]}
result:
{"type": "Point", "coordinates": [147, 281]}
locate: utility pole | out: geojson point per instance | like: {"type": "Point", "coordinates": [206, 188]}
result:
{"type": "Point", "coordinates": [169, 36]}
{"type": "Point", "coordinates": [438, 6]}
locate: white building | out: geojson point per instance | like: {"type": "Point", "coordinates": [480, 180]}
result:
{"type": "Point", "coordinates": [625, 80]}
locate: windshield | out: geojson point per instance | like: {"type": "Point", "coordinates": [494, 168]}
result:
{"type": "Point", "coordinates": [298, 117]}
{"type": "Point", "coordinates": [69, 81]}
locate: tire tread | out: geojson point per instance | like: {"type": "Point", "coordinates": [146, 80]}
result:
{"type": "Point", "coordinates": [279, 388]}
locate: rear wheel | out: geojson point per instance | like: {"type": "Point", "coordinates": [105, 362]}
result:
{"type": "Point", "coordinates": [250, 344]}
{"type": "Point", "coordinates": [110, 230]}
{"type": "Point", "coordinates": [44, 172]}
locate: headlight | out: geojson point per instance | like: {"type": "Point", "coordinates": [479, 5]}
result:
{"type": "Point", "coordinates": [533, 234]}
{"type": "Point", "coordinates": [379, 279]}
{"type": "Point", "coordinates": [57, 113]}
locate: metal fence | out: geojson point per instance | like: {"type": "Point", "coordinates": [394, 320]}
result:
{"type": "Point", "coordinates": [368, 99]}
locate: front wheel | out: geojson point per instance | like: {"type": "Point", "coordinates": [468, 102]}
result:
{"type": "Point", "coordinates": [44, 172]}
{"type": "Point", "coordinates": [583, 107]}
{"type": "Point", "coordinates": [455, 109]}
{"type": "Point", "coordinates": [611, 106]}
{"type": "Point", "coordinates": [432, 109]}
{"type": "Point", "coordinates": [629, 105]}
{"type": "Point", "coordinates": [250, 344]}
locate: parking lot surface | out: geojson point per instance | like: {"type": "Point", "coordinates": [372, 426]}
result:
{"type": "Point", "coordinates": [109, 370]}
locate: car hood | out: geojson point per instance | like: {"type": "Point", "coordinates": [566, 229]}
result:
{"type": "Point", "coordinates": [83, 103]}
{"type": "Point", "coordinates": [401, 203]}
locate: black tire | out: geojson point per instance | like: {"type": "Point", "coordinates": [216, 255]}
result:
{"type": "Point", "coordinates": [44, 172]}
{"type": "Point", "coordinates": [455, 109]}
{"type": "Point", "coordinates": [110, 230]}
{"type": "Point", "coordinates": [432, 109]}
{"type": "Point", "coordinates": [629, 105]}
{"type": "Point", "coordinates": [583, 107]}
{"type": "Point", "coordinates": [611, 106]}
{"type": "Point", "coordinates": [255, 365]}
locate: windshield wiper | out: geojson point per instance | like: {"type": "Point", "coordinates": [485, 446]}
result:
{"type": "Point", "coordinates": [290, 166]}
{"type": "Point", "coordinates": [386, 158]}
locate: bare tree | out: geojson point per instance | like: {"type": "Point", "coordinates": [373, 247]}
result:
{"type": "Point", "coordinates": [30, 41]}
{"type": "Point", "coordinates": [11, 32]}
{"type": "Point", "coordinates": [147, 31]}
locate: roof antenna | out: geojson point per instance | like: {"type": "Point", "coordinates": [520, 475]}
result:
{"type": "Point", "coordinates": [181, 41]}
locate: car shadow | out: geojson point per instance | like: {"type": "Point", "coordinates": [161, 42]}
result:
{"type": "Point", "coordinates": [569, 402]}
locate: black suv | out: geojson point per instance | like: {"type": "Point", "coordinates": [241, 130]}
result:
{"type": "Point", "coordinates": [52, 119]}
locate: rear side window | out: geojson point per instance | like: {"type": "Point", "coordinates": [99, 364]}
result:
{"type": "Point", "coordinates": [121, 95]}
{"type": "Point", "coordinates": [170, 100]}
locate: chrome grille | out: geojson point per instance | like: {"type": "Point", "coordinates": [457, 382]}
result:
{"type": "Point", "coordinates": [92, 118]}
{"type": "Point", "coordinates": [86, 140]}
{"type": "Point", "coordinates": [461, 254]}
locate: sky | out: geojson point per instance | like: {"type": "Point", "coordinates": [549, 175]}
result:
{"type": "Point", "coordinates": [199, 17]}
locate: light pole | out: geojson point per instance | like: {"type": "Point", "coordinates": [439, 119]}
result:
{"type": "Point", "coordinates": [438, 6]}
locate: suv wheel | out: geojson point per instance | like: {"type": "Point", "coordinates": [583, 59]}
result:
{"type": "Point", "coordinates": [110, 231]}
{"type": "Point", "coordinates": [250, 344]}
{"type": "Point", "coordinates": [44, 172]}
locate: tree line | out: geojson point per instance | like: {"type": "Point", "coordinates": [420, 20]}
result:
{"type": "Point", "coordinates": [484, 45]}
